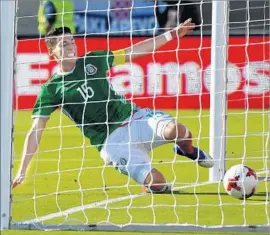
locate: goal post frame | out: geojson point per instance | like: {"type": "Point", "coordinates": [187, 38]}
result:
{"type": "Point", "coordinates": [7, 32]}
{"type": "Point", "coordinates": [219, 52]}
{"type": "Point", "coordinates": [217, 146]}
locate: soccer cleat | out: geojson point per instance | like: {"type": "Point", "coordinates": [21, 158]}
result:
{"type": "Point", "coordinates": [204, 159]}
{"type": "Point", "coordinates": [167, 188]}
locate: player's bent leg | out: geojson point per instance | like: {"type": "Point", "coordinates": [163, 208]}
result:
{"type": "Point", "coordinates": [151, 179]}
{"type": "Point", "coordinates": [156, 183]}
{"type": "Point", "coordinates": [133, 160]}
{"type": "Point", "coordinates": [184, 147]}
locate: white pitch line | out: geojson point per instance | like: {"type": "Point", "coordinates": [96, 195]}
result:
{"type": "Point", "coordinates": [263, 172]}
{"type": "Point", "coordinates": [81, 208]}
{"type": "Point", "coordinates": [98, 204]}
{"type": "Point", "coordinates": [193, 185]}
{"type": "Point", "coordinates": [265, 175]}
{"type": "Point", "coordinates": [56, 160]}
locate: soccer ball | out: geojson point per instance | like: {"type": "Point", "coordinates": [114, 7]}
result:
{"type": "Point", "coordinates": [240, 181]}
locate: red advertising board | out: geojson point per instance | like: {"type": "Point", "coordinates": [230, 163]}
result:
{"type": "Point", "coordinates": [175, 76]}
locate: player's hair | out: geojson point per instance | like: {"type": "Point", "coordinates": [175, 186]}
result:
{"type": "Point", "coordinates": [50, 37]}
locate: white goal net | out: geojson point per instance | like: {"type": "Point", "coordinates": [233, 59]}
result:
{"type": "Point", "coordinates": [68, 186]}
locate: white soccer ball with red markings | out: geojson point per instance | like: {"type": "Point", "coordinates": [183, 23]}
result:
{"type": "Point", "coordinates": [240, 181]}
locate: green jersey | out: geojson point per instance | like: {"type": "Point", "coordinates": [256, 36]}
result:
{"type": "Point", "coordinates": [86, 97]}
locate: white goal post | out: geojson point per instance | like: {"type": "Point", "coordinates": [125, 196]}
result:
{"type": "Point", "coordinates": [219, 50]}
{"type": "Point", "coordinates": [217, 148]}
{"type": "Point", "coordinates": [7, 34]}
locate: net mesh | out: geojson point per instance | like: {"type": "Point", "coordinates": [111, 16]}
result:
{"type": "Point", "coordinates": [67, 181]}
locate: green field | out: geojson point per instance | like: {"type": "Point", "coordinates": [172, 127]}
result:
{"type": "Point", "coordinates": [67, 172]}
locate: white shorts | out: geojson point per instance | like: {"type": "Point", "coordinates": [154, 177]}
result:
{"type": "Point", "coordinates": [128, 146]}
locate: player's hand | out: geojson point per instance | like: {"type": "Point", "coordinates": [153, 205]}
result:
{"type": "Point", "coordinates": [18, 179]}
{"type": "Point", "coordinates": [184, 28]}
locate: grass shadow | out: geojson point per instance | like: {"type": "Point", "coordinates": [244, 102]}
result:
{"type": "Point", "coordinates": [177, 192]}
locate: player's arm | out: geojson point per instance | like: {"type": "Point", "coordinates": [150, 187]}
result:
{"type": "Point", "coordinates": [31, 143]}
{"type": "Point", "coordinates": [46, 104]}
{"type": "Point", "coordinates": [148, 46]}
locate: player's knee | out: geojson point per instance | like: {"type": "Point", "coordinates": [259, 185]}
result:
{"type": "Point", "coordinates": [155, 181]}
{"type": "Point", "coordinates": [175, 131]}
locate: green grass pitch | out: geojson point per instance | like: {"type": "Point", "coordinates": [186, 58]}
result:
{"type": "Point", "coordinates": [67, 172]}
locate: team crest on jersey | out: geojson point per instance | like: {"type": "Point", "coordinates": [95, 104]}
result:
{"type": "Point", "coordinates": [90, 69]}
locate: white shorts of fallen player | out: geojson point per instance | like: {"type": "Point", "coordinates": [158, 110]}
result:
{"type": "Point", "coordinates": [128, 146]}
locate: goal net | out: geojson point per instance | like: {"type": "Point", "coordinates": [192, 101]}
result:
{"type": "Point", "coordinates": [68, 186]}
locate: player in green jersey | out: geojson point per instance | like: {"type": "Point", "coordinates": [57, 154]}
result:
{"type": "Point", "coordinates": [123, 133]}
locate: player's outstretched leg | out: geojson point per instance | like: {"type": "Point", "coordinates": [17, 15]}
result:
{"type": "Point", "coordinates": [156, 183]}
{"type": "Point", "coordinates": [184, 145]}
